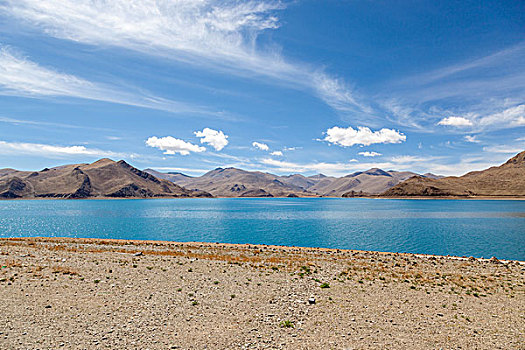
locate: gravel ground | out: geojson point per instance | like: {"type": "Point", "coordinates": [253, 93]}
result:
{"type": "Point", "coordinates": [104, 294]}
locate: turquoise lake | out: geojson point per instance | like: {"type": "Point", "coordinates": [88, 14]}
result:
{"type": "Point", "coordinates": [445, 227]}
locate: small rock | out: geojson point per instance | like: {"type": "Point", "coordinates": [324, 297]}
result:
{"type": "Point", "coordinates": [494, 260]}
{"type": "Point", "coordinates": [48, 306]}
{"type": "Point", "coordinates": [311, 301]}
{"type": "Point", "coordinates": [138, 254]}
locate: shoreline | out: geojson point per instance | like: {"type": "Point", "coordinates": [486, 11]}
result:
{"type": "Point", "coordinates": [138, 243]}
{"type": "Point", "coordinates": [118, 294]}
{"type": "Point", "coordinates": [500, 198]}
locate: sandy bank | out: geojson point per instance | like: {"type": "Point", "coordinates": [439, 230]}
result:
{"type": "Point", "coordinates": [88, 293]}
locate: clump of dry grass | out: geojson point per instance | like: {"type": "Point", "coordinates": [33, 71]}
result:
{"type": "Point", "coordinates": [64, 270]}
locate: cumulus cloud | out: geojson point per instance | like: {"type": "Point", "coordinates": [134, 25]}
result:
{"type": "Point", "coordinates": [362, 136]}
{"type": "Point", "coordinates": [171, 145]}
{"type": "Point", "coordinates": [261, 146]}
{"type": "Point", "coordinates": [217, 34]}
{"type": "Point", "coordinates": [277, 153]}
{"type": "Point", "coordinates": [20, 76]}
{"type": "Point", "coordinates": [455, 121]}
{"type": "Point", "coordinates": [54, 151]}
{"type": "Point", "coordinates": [369, 154]}
{"type": "Point", "coordinates": [214, 138]}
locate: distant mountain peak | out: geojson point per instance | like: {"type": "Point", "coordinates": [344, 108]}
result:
{"type": "Point", "coordinates": [377, 172]}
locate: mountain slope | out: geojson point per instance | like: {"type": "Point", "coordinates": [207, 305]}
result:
{"type": "Point", "coordinates": [232, 182]}
{"type": "Point", "coordinates": [372, 181]}
{"type": "Point", "coordinates": [103, 178]}
{"type": "Point", "coordinates": [505, 180]}
{"type": "Point", "coordinates": [173, 177]}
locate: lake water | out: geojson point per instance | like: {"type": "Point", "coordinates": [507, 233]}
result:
{"type": "Point", "coordinates": [455, 227]}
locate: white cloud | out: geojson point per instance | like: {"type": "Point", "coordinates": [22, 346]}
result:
{"type": "Point", "coordinates": [472, 139]}
{"type": "Point", "coordinates": [217, 34]}
{"type": "Point", "coordinates": [333, 169]}
{"type": "Point", "coordinates": [171, 145]}
{"type": "Point", "coordinates": [369, 154]}
{"type": "Point", "coordinates": [214, 138]}
{"type": "Point", "coordinates": [455, 121]}
{"type": "Point", "coordinates": [261, 146]}
{"type": "Point", "coordinates": [510, 117]}
{"type": "Point", "coordinates": [410, 159]}
{"type": "Point", "coordinates": [277, 153]}
{"type": "Point", "coordinates": [22, 77]}
{"type": "Point", "coordinates": [506, 149]}
{"type": "Point", "coordinates": [402, 163]}
{"type": "Point", "coordinates": [329, 168]}
{"type": "Point", "coordinates": [54, 151]}
{"type": "Point", "coordinates": [362, 136]}
{"type": "Point", "coordinates": [336, 94]}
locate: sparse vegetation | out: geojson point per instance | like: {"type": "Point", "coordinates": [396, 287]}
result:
{"type": "Point", "coordinates": [287, 324]}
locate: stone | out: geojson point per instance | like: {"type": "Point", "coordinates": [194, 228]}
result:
{"type": "Point", "coordinates": [311, 301]}
{"type": "Point", "coordinates": [138, 254]}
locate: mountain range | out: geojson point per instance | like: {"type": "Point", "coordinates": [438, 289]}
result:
{"type": "Point", "coordinates": [232, 182]}
{"type": "Point", "coordinates": [108, 178]}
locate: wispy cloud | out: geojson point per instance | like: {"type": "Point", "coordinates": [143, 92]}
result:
{"type": "Point", "coordinates": [56, 151]}
{"type": "Point", "coordinates": [20, 76]}
{"type": "Point", "coordinates": [486, 93]}
{"type": "Point", "coordinates": [437, 165]}
{"type": "Point", "coordinates": [506, 149]}
{"type": "Point", "coordinates": [49, 124]}
{"type": "Point", "coordinates": [216, 34]}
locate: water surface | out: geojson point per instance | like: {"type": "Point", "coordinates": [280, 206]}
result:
{"type": "Point", "coordinates": [446, 227]}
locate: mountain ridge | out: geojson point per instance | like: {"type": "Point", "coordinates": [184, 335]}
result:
{"type": "Point", "coordinates": [234, 182]}
{"type": "Point", "coordinates": [507, 179]}
{"type": "Point", "coordinates": [103, 178]}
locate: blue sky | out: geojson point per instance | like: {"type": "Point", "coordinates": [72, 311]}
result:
{"type": "Point", "coordinates": [293, 86]}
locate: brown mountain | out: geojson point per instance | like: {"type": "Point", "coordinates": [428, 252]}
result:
{"type": "Point", "coordinates": [103, 178]}
{"type": "Point", "coordinates": [505, 180]}
{"type": "Point", "coordinates": [372, 181]}
{"type": "Point", "coordinates": [171, 176]}
{"type": "Point", "coordinates": [232, 182]}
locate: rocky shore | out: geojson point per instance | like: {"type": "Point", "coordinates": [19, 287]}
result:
{"type": "Point", "coordinates": [109, 294]}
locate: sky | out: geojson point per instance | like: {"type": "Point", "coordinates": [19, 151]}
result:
{"type": "Point", "coordinates": [331, 87]}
